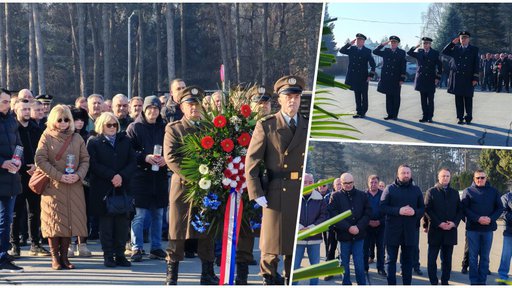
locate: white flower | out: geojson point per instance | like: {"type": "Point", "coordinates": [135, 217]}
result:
{"type": "Point", "coordinates": [233, 184]}
{"type": "Point", "coordinates": [241, 167]}
{"type": "Point", "coordinates": [226, 181]}
{"type": "Point", "coordinates": [235, 120]}
{"type": "Point", "coordinates": [230, 166]}
{"type": "Point", "coordinates": [234, 171]}
{"type": "Point", "coordinates": [205, 183]}
{"type": "Point", "coordinates": [237, 159]}
{"type": "Point", "coordinates": [203, 169]}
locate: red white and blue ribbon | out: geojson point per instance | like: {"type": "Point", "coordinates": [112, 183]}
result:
{"type": "Point", "coordinates": [232, 223]}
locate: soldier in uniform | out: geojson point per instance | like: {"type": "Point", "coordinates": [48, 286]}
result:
{"type": "Point", "coordinates": [260, 100]}
{"type": "Point", "coordinates": [428, 75]}
{"type": "Point", "coordinates": [392, 75]}
{"type": "Point", "coordinates": [180, 212]}
{"type": "Point", "coordinates": [279, 140]}
{"type": "Point", "coordinates": [46, 100]}
{"type": "Point", "coordinates": [359, 57]}
{"type": "Point", "coordinates": [463, 74]}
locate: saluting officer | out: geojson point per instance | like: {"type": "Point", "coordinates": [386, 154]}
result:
{"type": "Point", "coordinates": [463, 74]}
{"type": "Point", "coordinates": [392, 75]}
{"type": "Point", "coordinates": [180, 212]}
{"type": "Point", "coordinates": [279, 141]}
{"type": "Point", "coordinates": [428, 75]}
{"type": "Point", "coordinates": [359, 57]}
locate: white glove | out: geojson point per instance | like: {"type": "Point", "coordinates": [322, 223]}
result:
{"type": "Point", "coordinates": [262, 201]}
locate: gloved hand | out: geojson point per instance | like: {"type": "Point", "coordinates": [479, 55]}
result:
{"type": "Point", "coordinates": [262, 201]}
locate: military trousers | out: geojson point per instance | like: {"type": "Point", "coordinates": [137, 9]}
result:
{"type": "Point", "coordinates": [361, 97]}
{"type": "Point", "coordinates": [427, 105]}
{"type": "Point", "coordinates": [205, 250]}
{"type": "Point", "coordinates": [244, 249]}
{"type": "Point", "coordinates": [463, 102]}
{"type": "Point", "coordinates": [269, 262]}
{"type": "Point", "coordinates": [392, 105]}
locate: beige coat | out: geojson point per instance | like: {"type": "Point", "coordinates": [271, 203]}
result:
{"type": "Point", "coordinates": [282, 153]}
{"type": "Point", "coordinates": [63, 211]}
{"type": "Point", "coordinates": [180, 212]}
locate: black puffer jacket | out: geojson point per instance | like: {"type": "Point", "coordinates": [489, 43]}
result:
{"type": "Point", "coordinates": [149, 188]}
{"type": "Point", "coordinates": [9, 183]}
{"type": "Point", "coordinates": [357, 202]}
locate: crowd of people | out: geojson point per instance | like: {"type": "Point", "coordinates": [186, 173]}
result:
{"type": "Point", "coordinates": [386, 218]}
{"type": "Point", "coordinates": [98, 148]}
{"type": "Point", "coordinates": [459, 63]}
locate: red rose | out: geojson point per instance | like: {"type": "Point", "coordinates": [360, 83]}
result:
{"type": "Point", "coordinates": [244, 139]}
{"type": "Point", "coordinates": [227, 173]}
{"type": "Point", "coordinates": [207, 142]}
{"type": "Point", "coordinates": [219, 121]}
{"type": "Point", "coordinates": [227, 145]}
{"type": "Point", "coordinates": [245, 110]}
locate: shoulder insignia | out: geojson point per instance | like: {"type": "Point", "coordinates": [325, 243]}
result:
{"type": "Point", "coordinates": [175, 122]}
{"type": "Point", "coordinates": [267, 117]}
{"type": "Point", "coordinates": [304, 116]}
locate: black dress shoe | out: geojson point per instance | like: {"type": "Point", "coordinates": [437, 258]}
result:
{"type": "Point", "coordinates": [382, 273]}
{"type": "Point", "coordinates": [418, 271]}
{"type": "Point", "coordinates": [422, 120]}
{"type": "Point", "coordinates": [362, 116]}
{"type": "Point", "coordinates": [388, 118]}
{"type": "Point", "coordinates": [356, 116]}
{"type": "Point", "coordinates": [464, 270]}
{"type": "Point", "coordinates": [460, 122]}
{"type": "Point", "coordinates": [468, 122]}
{"type": "Point", "coordinates": [430, 121]}
{"type": "Point", "coordinates": [394, 118]}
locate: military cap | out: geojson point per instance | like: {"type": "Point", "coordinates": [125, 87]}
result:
{"type": "Point", "coordinates": [289, 85]}
{"type": "Point", "coordinates": [191, 94]}
{"type": "Point", "coordinates": [44, 98]}
{"type": "Point", "coordinates": [151, 101]}
{"type": "Point", "coordinates": [426, 39]}
{"type": "Point", "coordinates": [395, 38]}
{"type": "Point", "coordinates": [464, 33]}
{"type": "Point", "coordinates": [360, 36]}
{"type": "Point", "coordinates": [260, 93]}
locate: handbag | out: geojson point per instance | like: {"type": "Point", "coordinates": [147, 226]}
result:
{"type": "Point", "coordinates": [39, 180]}
{"type": "Point", "coordinates": [118, 203]}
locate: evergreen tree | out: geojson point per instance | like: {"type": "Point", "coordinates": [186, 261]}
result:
{"type": "Point", "coordinates": [489, 161]}
{"type": "Point", "coordinates": [325, 160]}
{"type": "Point", "coordinates": [330, 42]}
{"type": "Point", "coordinates": [451, 24]}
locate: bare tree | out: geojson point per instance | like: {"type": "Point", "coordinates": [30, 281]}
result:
{"type": "Point", "coordinates": [32, 73]}
{"type": "Point", "coordinates": [3, 72]}
{"type": "Point", "coordinates": [264, 44]}
{"type": "Point", "coordinates": [171, 65]}
{"type": "Point", "coordinates": [39, 49]}
{"type": "Point", "coordinates": [140, 53]}
{"type": "Point", "coordinates": [81, 49]}
{"type": "Point", "coordinates": [95, 47]}
{"type": "Point", "coordinates": [106, 28]}
{"type": "Point", "coordinates": [432, 19]}
{"type": "Point", "coordinates": [8, 46]}
{"type": "Point", "coordinates": [223, 44]}
{"type": "Point", "coordinates": [157, 9]}
{"type": "Point", "coordinates": [237, 41]}
{"type": "Point", "coordinates": [183, 42]}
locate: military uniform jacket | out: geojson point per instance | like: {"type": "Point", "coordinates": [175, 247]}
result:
{"type": "Point", "coordinates": [358, 61]}
{"type": "Point", "coordinates": [180, 212]}
{"type": "Point", "coordinates": [393, 69]}
{"type": "Point", "coordinates": [429, 69]}
{"type": "Point", "coordinates": [441, 205]}
{"type": "Point", "coordinates": [402, 230]}
{"type": "Point", "coordinates": [282, 152]}
{"type": "Point", "coordinates": [463, 69]}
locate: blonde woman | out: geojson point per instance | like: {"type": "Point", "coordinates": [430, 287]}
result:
{"type": "Point", "coordinates": [63, 213]}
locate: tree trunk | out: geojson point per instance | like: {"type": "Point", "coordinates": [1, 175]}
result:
{"type": "Point", "coordinates": [94, 33]}
{"type": "Point", "coordinates": [237, 42]}
{"type": "Point", "coordinates": [171, 65]}
{"type": "Point", "coordinates": [223, 44]}
{"type": "Point", "coordinates": [158, 10]}
{"type": "Point", "coordinates": [228, 30]}
{"type": "Point", "coordinates": [74, 51]}
{"type": "Point", "coordinates": [106, 50]}
{"type": "Point", "coordinates": [8, 47]}
{"type": "Point", "coordinates": [141, 54]}
{"type": "Point", "coordinates": [3, 72]}
{"type": "Point", "coordinates": [183, 42]}
{"type": "Point", "coordinates": [81, 49]}
{"type": "Point", "coordinates": [32, 73]}
{"type": "Point", "coordinates": [264, 43]}
{"type": "Point", "coordinates": [39, 50]}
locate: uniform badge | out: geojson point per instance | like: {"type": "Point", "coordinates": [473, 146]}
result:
{"type": "Point", "coordinates": [261, 90]}
{"type": "Point", "coordinates": [292, 81]}
{"type": "Point", "coordinates": [194, 91]}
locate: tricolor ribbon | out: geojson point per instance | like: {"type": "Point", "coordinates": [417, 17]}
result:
{"type": "Point", "coordinates": [232, 221]}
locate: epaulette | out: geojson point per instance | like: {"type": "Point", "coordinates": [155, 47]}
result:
{"type": "Point", "coordinates": [175, 122]}
{"type": "Point", "coordinates": [304, 116]}
{"type": "Point", "coordinates": [267, 117]}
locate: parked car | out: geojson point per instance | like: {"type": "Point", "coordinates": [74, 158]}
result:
{"type": "Point", "coordinates": [410, 71]}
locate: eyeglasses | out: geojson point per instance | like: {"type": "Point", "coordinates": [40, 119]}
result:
{"type": "Point", "coordinates": [66, 120]}
{"type": "Point", "coordinates": [111, 125]}
{"type": "Point", "coordinates": [347, 183]}
{"type": "Point", "coordinates": [480, 177]}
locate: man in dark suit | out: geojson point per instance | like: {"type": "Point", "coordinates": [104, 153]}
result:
{"type": "Point", "coordinates": [428, 75]}
{"type": "Point", "coordinates": [444, 212]}
{"type": "Point", "coordinates": [503, 66]}
{"type": "Point", "coordinates": [392, 76]}
{"type": "Point", "coordinates": [359, 57]}
{"type": "Point", "coordinates": [487, 69]}
{"type": "Point", "coordinates": [402, 203]}
{"type": "Point", "coordinates": [463, 74]}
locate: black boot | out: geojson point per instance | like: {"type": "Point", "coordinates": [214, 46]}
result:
{"type": "Point", "coordinates": [172, 273]}
{"type": "Point", "coordinates": [268, 280]}
{"type": "Point", "coordinates": [212, 272]}
{"type": "Point", "coordinates": [242, 270]}
{"type": "Point", "coordinates": [206, 274]}
{"type": "Point", "coordinates": [279, 280]}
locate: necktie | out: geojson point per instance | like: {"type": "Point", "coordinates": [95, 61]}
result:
{"type": "Point", "coordinates": [293, 127]}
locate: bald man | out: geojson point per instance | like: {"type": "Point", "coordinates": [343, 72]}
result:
{"type": "Point", "coordinates": [26, 94]}
{"type": "Point", "coordinates": [351, 231]}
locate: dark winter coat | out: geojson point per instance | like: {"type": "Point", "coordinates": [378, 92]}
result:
{"type": "Point", "coordinates": [105, 162]}
{"type": "Point", "coordinates": [358, 61]}
{"type": "Point", "coordinates": [312, 212]}
{"type": "Point", "coordinates": [402, 230]}
{"type": "Point", "coordinates": [149, 188]}
{"type": "Point", "coordinates": [357, 202]}
{"type": "Point", "coordinates": [481, 201]}
{"type": "Point", "coordinates": [463, 69]}
{"type": "Point", "coordinates": [9, 138]}
{"type": "Point", "coordinates": [393, 70]}
{"type": "Point", "coordinates": [506, 200]}
{"type": "Point", "coordinates": [429, 69]}
{"type": "Point", "coordinates": [442, 205]}
{"type": "Point", "coordinates": [29, 137]}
